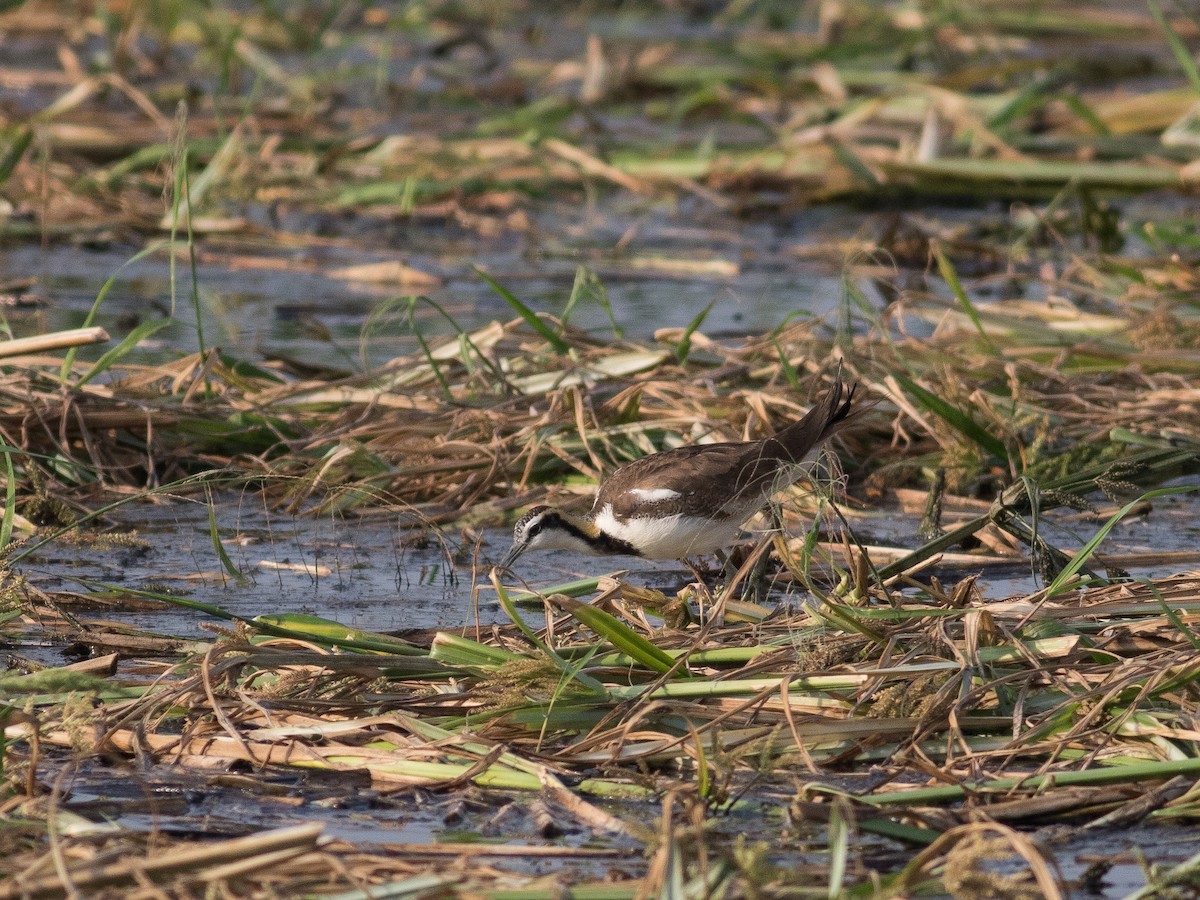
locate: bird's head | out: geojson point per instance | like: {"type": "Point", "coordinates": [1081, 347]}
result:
{"type": "Point", "coordinates": [543, 528]}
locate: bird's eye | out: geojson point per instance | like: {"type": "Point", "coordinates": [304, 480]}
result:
{"type": "Point", "coordinates": [534, 529]}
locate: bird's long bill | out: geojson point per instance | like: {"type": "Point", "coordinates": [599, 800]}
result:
{"type": "Point", "coordinates": [511, 556]}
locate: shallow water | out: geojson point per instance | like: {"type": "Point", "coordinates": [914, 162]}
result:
{"type": "Point", "coordinates": [368, 574]}
{"type": "Point", "coordinates": [187, 802]}
{"type": "Point", "coordinates": [363, 573]}
{"type": "Point", "coordinates": [258, 309]}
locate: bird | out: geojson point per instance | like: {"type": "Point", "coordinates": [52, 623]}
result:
{"type": "Point", "coordinates": [687, 501]}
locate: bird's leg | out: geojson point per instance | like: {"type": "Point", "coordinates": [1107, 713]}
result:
{"type": "Point", "coordinates": [756, 584]}
{"type": "Point", "coordinates": [704, 596]}
{"type": "Point", "coordinates": [728, 569]}
{"type": "Point", "coordinates": [757, 576]}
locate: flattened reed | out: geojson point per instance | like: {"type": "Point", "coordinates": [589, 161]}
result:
{"type": "Point", "coordinates": [1083, 692]}
{"type": "Point", "coordinates": [1023, 711]}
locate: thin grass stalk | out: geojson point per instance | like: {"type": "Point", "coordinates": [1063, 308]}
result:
{"type": "Point", "coordinates": [1162, 462]}
{"type": "Point", "coordinates": [219, 545]}
{"type": "Point", "coordinates": [1171, 614]}
{"type": "Point", "coordinates": [950, 276]}
{"type": "Point", "coordinates": [839, 846]}
{"type": "Point", "coordinates": [14, 151]}
{"type": "Point", "coordinates": [1179, 49]}
{"type": "Point", "coordinates": [69, 358]}
{"type": "Point", "coordinates": [1085, 552]}
{"type": "Point", "coordinates": [1120, 774]}
{"type": "Point", "coordinates": [683, 348]}
{"type": "Point", "coordinates": [194, 287]}
{"type": "Point", "coordinates": [209, 477]}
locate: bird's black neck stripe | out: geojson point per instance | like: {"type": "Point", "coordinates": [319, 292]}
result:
{"type": "Point", "coordinates": [603, 542]}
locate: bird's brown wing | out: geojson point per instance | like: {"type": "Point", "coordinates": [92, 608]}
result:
{"type": "Point", "coordinates": [687, 471]}
{"type": "Point", "coordinates": [726, 479]}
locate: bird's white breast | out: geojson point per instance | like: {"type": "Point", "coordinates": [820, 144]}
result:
{"type": "Point", "coordinates": [669, 537]}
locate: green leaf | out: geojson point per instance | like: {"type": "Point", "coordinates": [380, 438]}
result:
{"type": "Point", "coordinates": [839, 846]}
{"type": "Point", "coordinates": [854, 165]}
{"type": "Point", "coordinates": [789, 371]}
{"type": "Point", "coordinates": [588, 286]}
{"type": "Point", "coordinates": [218, 545]}
{"type": "Point", "coordinates": [331, 632]}
{"type": "Point", "coordinates": [456, 650]}
{"type": "Point", "coordinates": [69, 358]}
{"type": "Point", "coordinates": [564, 666]}
{"type": "Point", "coordinates": [11, 155]}
{"type": "Point", "coordinates": [10, 501]}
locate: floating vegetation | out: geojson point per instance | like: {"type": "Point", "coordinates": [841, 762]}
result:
{"type": "Point", "coordinates": [898, 731]}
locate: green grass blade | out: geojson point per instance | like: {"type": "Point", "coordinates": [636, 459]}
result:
{"type": "Point", "coordinates": [703, 785]}
{"type": "Point", "coordinates": [567, 669]}
{"type": "Point", "coordinates": [577, 588]}
{"type": "Point", "coordinates": [416, 887]}
{"type": "Point", "coordinates": [951, 278]}
{"type": "Point", "coordinates": [789, 371]}
{"type": "Point", "coordinates": [854, 165]}
{"type": "Point", "coordinates": [443, 382]}
{"type": "Point", "coordinates": [114, 354]}
{"type": "Point", "coordinates": [69, 358]}
{"type": "Point", "coordinates": [1119, 774]}
{"type": "Point", "coordinates": [1085, 552]}
{"type": "Point", "coordinates": [210, 609]}
{"type": "Point", "coordinates": [218, 544]}
{"type": "Point", "coordinates": [1183, 56]}
{"type": "Point", "coordinates": [327, 631]}
{"type": "Point", "coordinates": [619, 635]}
{"type": "Point", "coordinates": [532, 319]}
{"type": "Point", "coordinates": [464, 342]}
{"type": "Point", "coordinates": [684, 348]}
{"type": "Point", "coordinates": [1164, 879]}
{"type": "Point", "coordinates": [839, 847]}
{"type": "Point", "coordinates": [1080, 107]}
{"type": "Point", "coordinates": [1171, 614]}
{"type": "Point", "coordinates": [456, 650]}
{"type": "Point", "coordinates": [13, 152]}
{"type": "Point", "coordinates": [588, 286]}
{"type": "Point", "coordinates": [10, 502]}
{"type": "Point", "coordinates": [212, 476]}
{"type": "Point", "coordinates": [194, 291]}
{"type": "Point", "coordinates": [953, 416]}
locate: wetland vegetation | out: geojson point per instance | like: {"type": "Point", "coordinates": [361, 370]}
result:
{"type": "Point", "coordinates": [502, 248]}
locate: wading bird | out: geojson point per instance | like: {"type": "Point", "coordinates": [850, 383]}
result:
{"type": "Point", "coordinates": [690, 500]}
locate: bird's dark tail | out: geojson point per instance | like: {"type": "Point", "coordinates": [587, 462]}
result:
{"type": "Point", "coordinates": [835, 411]}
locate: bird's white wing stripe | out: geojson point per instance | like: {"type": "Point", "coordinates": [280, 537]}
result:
{"type": "Point", "coordinates": [654, 495]}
